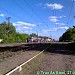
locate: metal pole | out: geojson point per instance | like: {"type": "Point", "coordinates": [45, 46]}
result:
{"type": "Point", "coordinates": [37, 36]}
{"type": "Point", "coordinates": [74, 11]}
{"type": "Point", "coordinates": [8, 18]}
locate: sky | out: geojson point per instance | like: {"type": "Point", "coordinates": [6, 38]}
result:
{"type": "Point", "coordinates": [44, 17]}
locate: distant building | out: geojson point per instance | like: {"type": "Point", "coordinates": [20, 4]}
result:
{"type": "Point", "coordinates": [40, 39]}
{"type": "Point", "coordinates": [48, 39]}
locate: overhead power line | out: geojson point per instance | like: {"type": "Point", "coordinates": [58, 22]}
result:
{"type": "Point", "coordinates": [23, 10]}
{"type": "Point", "coordinates": [8, 19]}
{"type": "Point", "coordinates": [70, 13]}
{"type": "Point", "coordinates": [14, 15]}
{"type": "Point", "coordinates": [74, 11]}
{"type": "Point", "coordinates": [34, 13]}
{"type": "Point", "coordinates": [33, 10]}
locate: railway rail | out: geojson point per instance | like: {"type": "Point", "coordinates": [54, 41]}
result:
{"type": "Point", "coordinates": [21, 47]}
{"type": "Point", "coordinates": [19, 68]}
{"type": "Point", "coordinates": [31, 46]}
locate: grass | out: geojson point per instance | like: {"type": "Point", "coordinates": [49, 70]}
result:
{"type": "Point", "coordinates": [31, 67]}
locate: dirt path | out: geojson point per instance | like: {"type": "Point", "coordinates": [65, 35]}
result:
{"type": "Point", "coordinates": [58, 62]}
{"type": "Point", "coordinates": [16, 60]}
{"type": "Point", "coordinates": [50, 63]}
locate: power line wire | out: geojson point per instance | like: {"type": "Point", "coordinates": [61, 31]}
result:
{"type": "Point", "coordinates": [8, 12]}
{"type": "Point", "coordinates": [74, 11]}
{"type": "Point", "coordinates": [22, 9]}
{"type": "Point", "coordinates": [70, 14]}
{"type": "Point", "coordinates": [14, 15]}
{"type": "Point", "coordinates": [33, 12]}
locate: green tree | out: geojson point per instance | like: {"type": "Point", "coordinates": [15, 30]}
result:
{"type": "Point", "coordinates": [68, 35]}
{"type": "Point", "coordinates": [33, 35]}
{"type": "Point", "coordinates": [11, 36]}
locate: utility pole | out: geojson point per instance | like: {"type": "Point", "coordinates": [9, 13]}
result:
{"type": "Point", "coordinates": [8, 19]}
{"type": "Point", "coordinates": [50, 34]}
{"type": "Point", "coordinates": [37, 36]}
{"type": "Point", "coordinates": [74, 11]}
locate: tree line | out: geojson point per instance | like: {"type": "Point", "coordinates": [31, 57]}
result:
{"type": "Point", "coordinates": [9, 35]}
{"type": "Point", "coordinates": [69, 35]}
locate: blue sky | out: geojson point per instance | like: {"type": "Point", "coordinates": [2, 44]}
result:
{"type": "Point", "coordinates": [46, 17]}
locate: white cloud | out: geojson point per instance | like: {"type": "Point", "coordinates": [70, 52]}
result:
{"type": "Point", "coordinates": [63, 28]}
{"type": "Point", "coordinates": [45, 31]}
{"type": "Point", "coordinates": [53, 18]}
{"type": "Point", "coordinates": [57, 23]}
{"type": "Point", "coordinates": [26, 27]}
{"type": "Point", "coordinates": [18, 29]}
{"type": "Point", "coordinates": [2, 15]}
{"type": "Point", "coordinates": [26, 31]}
{"type": "Point", "coordinates": [23, 24]}
{"type": "Point", "coordinates": [49, 30]}
{"type": "Point", "coordinates": [72, 0]}
{"type": "Point", "coordinates": [23, 27]}
{"type": "Point", "coordinates": [62, 16]}
{"type": "Point", "coordinates": [54, 6]}
{"type": "Point", "coordinates": [60, 28]}
{"type": "Point", "coordinates": [54, 29]}
{"type": "Point", "coordinates": [39, 23]}
{"type": "Point", "coordinates": [61, 24]}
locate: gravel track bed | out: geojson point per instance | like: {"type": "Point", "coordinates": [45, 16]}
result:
{"type": "Point", "coordinates": [16, 59]}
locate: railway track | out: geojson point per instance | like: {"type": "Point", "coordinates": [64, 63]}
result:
{"type": "Point", "coordinates": [20, 66]}
{"type": "Point", "coordinates": [33, 49]}
{"type": "Point", "coordinates": [22, 46]}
